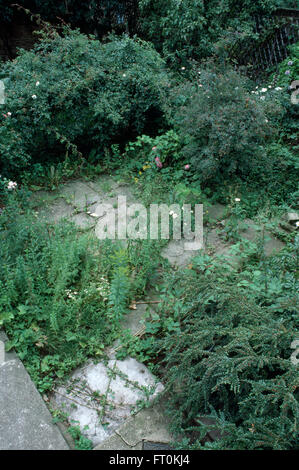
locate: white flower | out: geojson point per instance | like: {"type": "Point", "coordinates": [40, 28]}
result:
{"type": "Point", "coordinates": [297, 224]}
{"type": "Point", "coordinates": [278, 88]}
{"type": "Point", "coordinates": [266, 120]}
{"type": "Point", "coordinates": [8, 114]}
{"type": "Point", "coordinates": [11, 185]}
{"type": "Point", "coordinates": [183, 68]}
{"type": "Point", "coordinates": [263, 90]}
{"type": "Point", "coordinates": [269, 86]}
{"type": "Point", "coordinates": [262, 97]}
{"type": "Point", "coordinates": [124, 75]}
{"type": "Point", "coordinates": [34, 97]}
{"type": "Point", "coordinates": [237, 199]}
{"type": "Point", "coordinates": [94, 215]}
{"type": "Point", "coordinates": [37, 84]}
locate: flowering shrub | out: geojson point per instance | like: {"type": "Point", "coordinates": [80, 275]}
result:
{"type": "Point", "coordinates": [223, 125]}
{"type": "Point", "coordinates": [6, 187]}
{"type": "Point", "coordinates": [72, 94]}
{"type": "Point", "coordinates": [289, 69]}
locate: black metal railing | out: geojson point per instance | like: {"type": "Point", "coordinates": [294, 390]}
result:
{"type": "Point", "coordinates": [268, 46]}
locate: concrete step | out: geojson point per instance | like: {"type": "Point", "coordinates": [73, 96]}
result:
{"type": "Point", "coordinates": [25, 421]}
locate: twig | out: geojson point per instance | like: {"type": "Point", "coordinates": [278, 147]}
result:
{"type": "Point", "coordinates": [78, 403]}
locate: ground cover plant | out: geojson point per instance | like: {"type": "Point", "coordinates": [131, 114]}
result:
{"type": "Point", "coordinates": [63, 293]}
{"type": "Point", "coordinates": [223, 338]}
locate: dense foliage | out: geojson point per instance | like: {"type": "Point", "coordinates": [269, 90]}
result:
{"type": "Point", "coordinates": [71, 94]}
{"type": "Point", "coordinates": [63, 293]}
{"type": "Point", "coordinates": [223, 125]}
{"type": "Point", "coordinates": [100, 17]}
{"type": "Point", "coordinates": [225, 345]}
{"type": "Point", "coordinates": [189, 29]}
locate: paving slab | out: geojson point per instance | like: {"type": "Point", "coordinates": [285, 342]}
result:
{"type": "Point", "coordinates": [83, 221]}
{"type": "Point", "coordinates": [79, 194]}
{"type": "Point", "coordinates": [101, 397]}
{"type": "Point", "coordinates": [147, 426]}
{"type": "Point", "coordinates": [252, 232]}
{"type": "Point", "coordinates": [176, 254]}
{"type": "Point", "coordinates": [55, 211]}
{"type": "Point", "coordinates": [25, 421]}
{"type": "Point", "coordinates": [216, 212]}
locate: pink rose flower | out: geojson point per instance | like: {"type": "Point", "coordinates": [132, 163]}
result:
{"type": "Point", "coordinates": [154, 148]}
{"type": "Point", "coordinates": [187, 167]}
{"type": "Point", "coordinates": [158, 162]}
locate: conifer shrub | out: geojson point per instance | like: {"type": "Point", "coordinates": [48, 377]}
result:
{"type": "Point", "coordinates": [226, 351]}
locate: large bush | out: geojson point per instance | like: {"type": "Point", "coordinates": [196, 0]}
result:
{"type": "Point", "coordinates": [224, 124]}
{"type": "Point", "coordinates": [73, 94]}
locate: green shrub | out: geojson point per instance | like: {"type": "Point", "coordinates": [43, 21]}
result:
{"type": "Point", "coordinates": [223, 125]}
{"type": "Point", "coordinates": [288, 69]}
{"type": "Point", "coordinates": [189, 29]}
{"type": "Point", "coordinates": [49, 299]}
{"type": "Point", "coordinates": [225, 349]}
{"type": "Point", "coordinates": [72, 94]}
{"type": "Point", "coordinates": [287, 76]}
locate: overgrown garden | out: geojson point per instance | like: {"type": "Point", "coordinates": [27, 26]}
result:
{"type": "Point", "coordinates": [162, 108]}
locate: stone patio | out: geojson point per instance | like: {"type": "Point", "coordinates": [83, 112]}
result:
{"type": "Point", "coordinates": [106, 399]}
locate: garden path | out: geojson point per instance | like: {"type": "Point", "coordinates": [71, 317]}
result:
{"type": "Point", "coordinates": [104, 398]}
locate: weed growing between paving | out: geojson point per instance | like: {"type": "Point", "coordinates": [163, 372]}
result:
{"type": "Point", "coordinates": [63, 293]}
